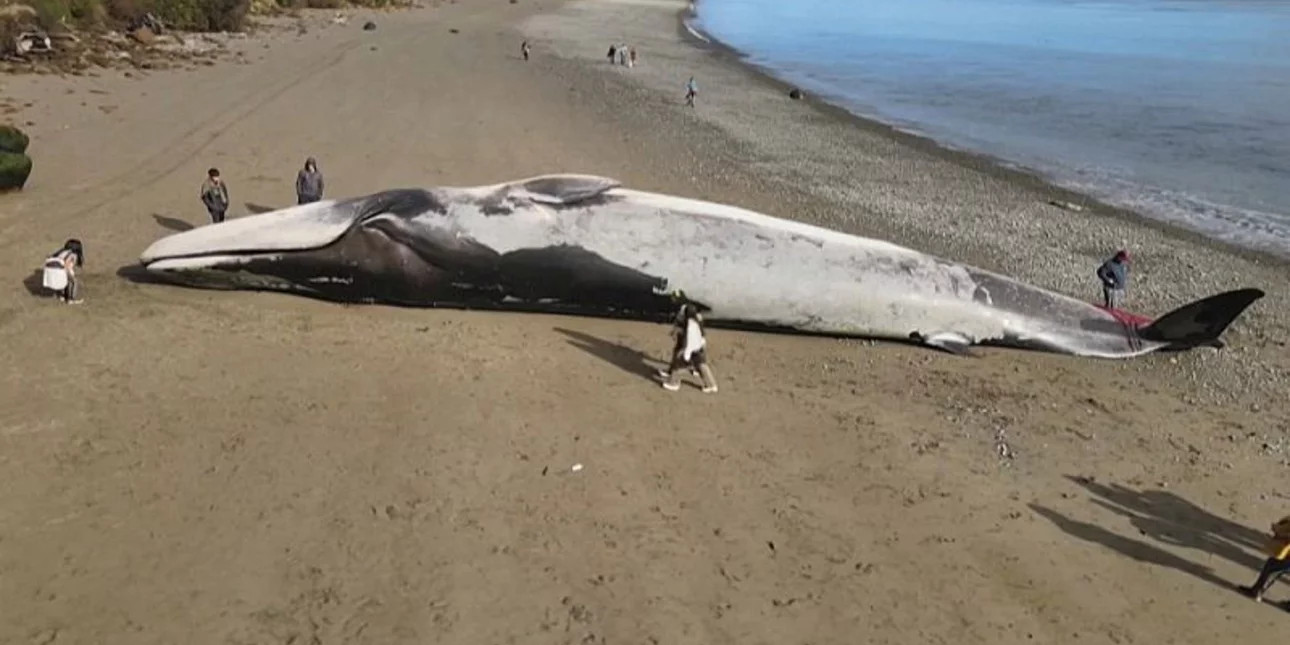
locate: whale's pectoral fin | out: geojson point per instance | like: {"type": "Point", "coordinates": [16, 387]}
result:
{"type": "Point", "coordinates": [1202, 322]}
{"type": "Point", "coordinates": [566, 189]}
{"type": "Point", "coordinates": [950, 341]}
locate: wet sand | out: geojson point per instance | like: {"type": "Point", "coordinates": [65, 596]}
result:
{"type": "Point", "coordinates": [227, 467]}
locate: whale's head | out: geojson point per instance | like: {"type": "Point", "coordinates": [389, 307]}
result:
{"type": "Point", "coordinates": [322, 248]}
{"type": "Point", "coordinates": [387, 246]}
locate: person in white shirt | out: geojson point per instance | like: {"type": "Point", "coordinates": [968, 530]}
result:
{"type": "Point", "coordinates": [690, 351]}
{"type": "Point", "coordinates": [60, 271]}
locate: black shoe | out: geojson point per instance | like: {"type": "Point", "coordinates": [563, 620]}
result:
{"type": "Point", "coordinates": [1248, 591]}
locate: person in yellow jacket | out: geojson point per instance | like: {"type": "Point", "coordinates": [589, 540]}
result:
{"type": "Point", "coordinates": [1278, 562]}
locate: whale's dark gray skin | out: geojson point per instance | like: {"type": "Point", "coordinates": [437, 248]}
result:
{"type": "Point", "coordinates": [583, 244]}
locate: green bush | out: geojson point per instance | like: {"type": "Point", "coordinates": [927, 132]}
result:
{"type": "Point", "coordinates": [187, 15]}
{"type": "Point", "coordinates": [311, 4]}
{"type": "Point", "coordinates": [200, 15]}
{"type": "Point", "coordinates": [333, 4]}
{"type": "Point", "coordinates": [14, 170]}
{"type": "Point", "coordinates": [13, 140]}
{"type": "Point", "coordinates": [52, 15]}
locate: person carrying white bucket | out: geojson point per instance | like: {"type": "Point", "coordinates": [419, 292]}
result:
{"type": "Point", "coordinates": [60, 272]}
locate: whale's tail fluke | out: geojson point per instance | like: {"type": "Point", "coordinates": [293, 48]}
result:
{"type": "Point", "coordinates": [1200, 322]}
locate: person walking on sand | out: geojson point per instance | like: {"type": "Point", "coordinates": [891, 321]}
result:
{"type": "Point", "coordinates": [691, 91]}
{"type": "Point", "coordinates": [1114, 274]}
{"type": "Point", "coordinates": [524, 49]}
{"type": "Point", "coordinates": [631, 57]}
{"type": "Point", "coordinates": [215, 196]}
{"type": "Point", "coordinates": [1278, 562]}
{"type": "Point", "coordinates": [613, 49]}
{"type": "Point", "coordinates": [690, 351]}
{"type": "Point", "coordinates": [60, 271]}
{"type": "Point", "coordinates": [309, 183]}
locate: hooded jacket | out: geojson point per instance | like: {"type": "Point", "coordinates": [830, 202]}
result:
{"type": "Point", "coordinates": [309, 182]}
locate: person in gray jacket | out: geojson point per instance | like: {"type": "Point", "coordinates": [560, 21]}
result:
{"type": "Point", "coordinates": [215, 195]}
{"type": "Point", "coordinates": [309, 183]}
{"type": "Point", "coordinates": [1114, 274]}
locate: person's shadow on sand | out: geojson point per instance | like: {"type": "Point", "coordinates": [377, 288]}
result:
{"type": "Point", "coordinates": [258, 209]}
{"type": "Point", "coordinates": [625, 358]}
{"type": "Point", "coordinates": [1129, 547]}
{"type": "Point", "coordinates": [35, 284]}
{"type": "Point", "coordinates": [172, 223]}
{"type": "Point", "coordinates": [1169, 519]}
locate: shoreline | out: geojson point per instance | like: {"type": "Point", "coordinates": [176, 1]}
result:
{"type": "Point", "coordinates": [979, 161]}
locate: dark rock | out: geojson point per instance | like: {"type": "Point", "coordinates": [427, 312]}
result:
{"type": "Point", "coordinates": [13, 140]}
{"type": "Point", "coordinates": [454, 31]}
{"type": "Point", "coordinates": [14, 170]}
{"type": "Point", "coordinates": [369, 26]}
{"type": "Point", "coordinates": [795, 94]}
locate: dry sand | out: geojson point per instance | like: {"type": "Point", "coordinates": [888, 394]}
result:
{"type": "Point", "coordinates": [187, 466]}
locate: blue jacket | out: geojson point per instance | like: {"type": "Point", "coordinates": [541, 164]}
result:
{"type": "Point", "coordinates": [1113, 274]}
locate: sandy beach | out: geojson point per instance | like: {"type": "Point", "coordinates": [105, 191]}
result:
{"type": "Point", "coordinates": [188, 466]}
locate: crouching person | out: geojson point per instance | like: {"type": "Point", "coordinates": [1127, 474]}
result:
{"type": "Point", "coordinates": [689, 351]}
{"type": "Point", "coordinates": [1278, 562]}
{"type": "Point", "coordinates": [60, 272]}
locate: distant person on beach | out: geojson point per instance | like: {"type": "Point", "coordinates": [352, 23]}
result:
{"type": "Point", "coordinates": [613, 49]}
{"type": "Point", "coordinates": [691, 91]}
{"type": "Point", "coordinates": [631, 57]}
{"type": "Point", "coordinates": [690, 350]}
{"type": "Point", "coordinates": [622, 54]}
{"type": "Point", "coordinates": [215, 195]}
{"type": "Point", "coordinates": [1278, 562]}
{"type": "Point", "coordinates": [309, 183]}
{"type": "Point", "coordinates": [524, 50]}
{"type": "Point", "coordinates": [60, 272]}
{"type": "Point", "coordinates": [1114, 274]}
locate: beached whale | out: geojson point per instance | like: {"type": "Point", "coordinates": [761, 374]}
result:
{"type": "Point", "coordinates": [583, 244]}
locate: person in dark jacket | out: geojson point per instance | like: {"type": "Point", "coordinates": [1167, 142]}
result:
{"type": "Point", "coordinates": [1278, 562]}
{"type": "Point", "coordinates": [215, 196]}
{"type": "Point", "coordinates": [309, 183]}
{"type": "Point", "coordinates": [1114, 274]}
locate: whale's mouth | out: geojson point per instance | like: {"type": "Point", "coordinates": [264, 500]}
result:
{"type": "Point", "coordinates": [295, 229]}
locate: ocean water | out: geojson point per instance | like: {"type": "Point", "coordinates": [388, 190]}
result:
{"type": "Point", "coordinates": [1178, 109]}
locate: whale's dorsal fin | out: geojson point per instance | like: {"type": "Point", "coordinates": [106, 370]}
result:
{"type": "Point", "coordinates": [566, 189]}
